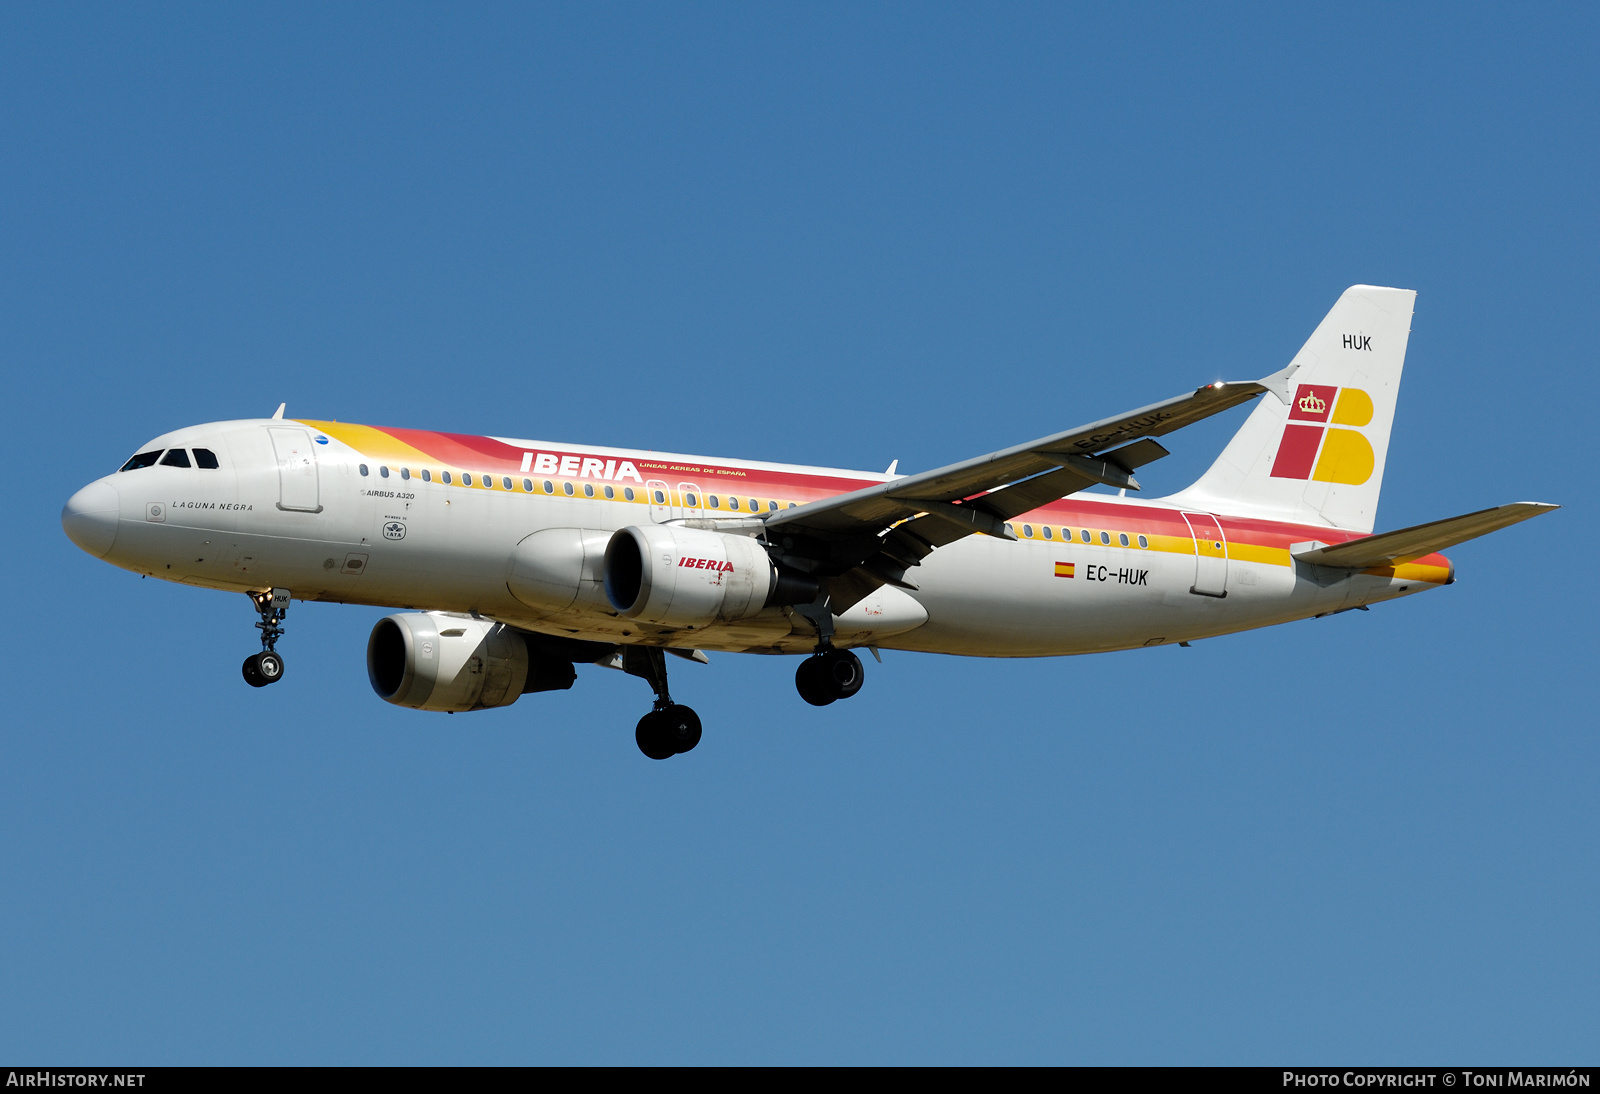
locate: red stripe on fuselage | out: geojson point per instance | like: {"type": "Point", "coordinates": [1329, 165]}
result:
{"type": "Point", "coordinates": [468, 452]}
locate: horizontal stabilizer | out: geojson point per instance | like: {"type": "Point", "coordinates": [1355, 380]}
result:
{"type": "Point", "coordinates": [1405, 544]}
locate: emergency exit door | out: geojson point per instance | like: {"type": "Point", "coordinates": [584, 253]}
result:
{"type": "Point", "coordinates": [660, 500]}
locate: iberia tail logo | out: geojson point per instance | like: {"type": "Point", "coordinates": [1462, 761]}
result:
{"type": "Point", "coordinates": [1319, 452]}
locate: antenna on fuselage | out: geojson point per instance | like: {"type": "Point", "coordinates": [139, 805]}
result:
{"type": "Point", "coordinates": [277, 415]}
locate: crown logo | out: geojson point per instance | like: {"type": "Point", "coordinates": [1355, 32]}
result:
{"type": "Point", "coordinates": [1311, 404]}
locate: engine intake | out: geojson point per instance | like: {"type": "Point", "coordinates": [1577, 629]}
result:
{"type": "Point", "coordinates": [440, 661]}
{"type": "Point", "coordinates": [686, 577]}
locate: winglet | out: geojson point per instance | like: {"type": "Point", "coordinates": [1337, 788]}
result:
{"type": "Point", "coordinates": [277, 415]}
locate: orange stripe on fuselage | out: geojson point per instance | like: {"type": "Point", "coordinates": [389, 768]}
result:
{"type": "Point", "coordinates": [1248, 539]}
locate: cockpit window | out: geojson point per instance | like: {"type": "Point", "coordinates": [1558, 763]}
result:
{"type": "Point", "coordinates": [175, 457]}
{"type": "Point", "coordinates": [143, 459]}
{"type": "Point", "coordinates": [205, 458]}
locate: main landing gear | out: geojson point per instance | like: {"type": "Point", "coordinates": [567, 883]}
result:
{"type": "Point", "coordinates": [828, 675]}
{"type": "Point", "coordinates": [669, 728]}
{"type": "Point", "coordinates": [266, 667]}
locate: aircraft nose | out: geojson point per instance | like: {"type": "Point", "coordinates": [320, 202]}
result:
{"type": "Point", "coordinates": [90, 518]}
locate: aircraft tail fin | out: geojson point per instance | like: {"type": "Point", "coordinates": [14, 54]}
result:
{"type": "Point", "coordinates": [1315, 453]}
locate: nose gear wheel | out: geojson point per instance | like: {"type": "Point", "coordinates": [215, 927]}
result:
{"type": "Point", "coordinates": [266, 667]}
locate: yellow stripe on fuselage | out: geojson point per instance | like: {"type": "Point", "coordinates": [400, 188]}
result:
{"type": "Point", "coordinates": [374, 443]}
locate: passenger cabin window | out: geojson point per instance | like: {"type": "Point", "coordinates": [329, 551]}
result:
{"type": "Point", "coordinates": [177, 457]}
{"type": "Point", "coordinates": [772, 507]}
{"type": "Point", "coordinates": [588, 489]}
{"type": "Point", "coordinates": [466, 478]}
{"type": "Point", "coordinates": [716, 502]}
{"type": "Point", "coordinates": [405, 474]}
{"type": "Point", "coordinates": [206, 459]}
{"type": "Point", "coordinates": [445, 478]}
{"type": "Point", "coordinates": [733, 503]}
{"type": "Point", "coordinates": [567, 488]}
{"type": "Point", "coordinates": [627, 492]}
{"type": "Point", "coordinates": [363, 470]}
{"type": "Point", "coordinates": [1048, 534]}
{"type": "Point", "coordinates": [1143, 542]}
{"type": "Point", "coordinates": [755, 506]}
{"type": "Point", "coordinates": [549, 487]}
{"type": "Point", "coordinates": [143, 459]}
{"type": "Point", "coordinates": [383, 472]}
{"type": "Point", "coordinates": [691, 501]}
{"type": "Point", "coordinates": [661, 499]}
{"type": "Point", "coordinates": [1105, 538]}
{"type": "Point", "coordinates": [1027, 531]}
{"type": "Point", "coordinates": [610, 493]}
{"type": "Point", "coordinates": [427, 476]}
{"type": "Point", "coordinates": [1123, 539]}
{"type": "Point", "coordinates": [527, 485]}
{"type": "Point", "coordinates": [1085, 535]}
{"type": "Point", "coordinates": [505, 481]}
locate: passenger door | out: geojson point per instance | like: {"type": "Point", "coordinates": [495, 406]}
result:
{"type": "Point", "coordinates": [298, 489]}
{"type": "Point", "coordinates": [1210, 555]}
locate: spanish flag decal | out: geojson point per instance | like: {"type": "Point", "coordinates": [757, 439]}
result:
{"type": "Point", "coordinates": [1066, 569]}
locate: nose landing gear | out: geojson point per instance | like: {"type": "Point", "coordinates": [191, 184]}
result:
{"type": "Point", "coordinates": [669, 728]}
{"type": "Point", "coordinates": [266, 667]}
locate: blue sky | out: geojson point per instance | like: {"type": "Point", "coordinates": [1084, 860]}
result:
{"type": "Point", "coordinates": [824, 234]}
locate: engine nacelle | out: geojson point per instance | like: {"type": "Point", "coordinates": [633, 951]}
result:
{"type": "Point", "coordinates": [559, 568]}
{"type": "Point", "coordinates": [686, 577]}
{"type": "Point", "coordinates": [441, 661]}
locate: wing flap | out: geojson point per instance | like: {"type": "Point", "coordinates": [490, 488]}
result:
{"type": "Point", "coordinates": [1406, 544]}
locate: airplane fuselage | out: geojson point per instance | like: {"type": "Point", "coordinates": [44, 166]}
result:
{"type": "Point", "coordinates": [446, 522]}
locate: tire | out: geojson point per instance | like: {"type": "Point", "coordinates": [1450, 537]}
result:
{"type": "Point", "coordinates": [844, 672]}
{"type": "Point", "coordinates": [680, 727]}
{"type": "Point", "coordinates": [652, 739]}
{"type": "Point", "coordinates": [270, 666]}
{"type": "Point", "coordinates": [252, 674]}
{"type": "Point", "coordinates": [811, 682]}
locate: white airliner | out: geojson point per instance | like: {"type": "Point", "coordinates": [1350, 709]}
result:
{"type": "Point", "coordinates": [517, 559]}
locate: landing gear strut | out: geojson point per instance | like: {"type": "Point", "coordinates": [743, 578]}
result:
{"type": "Point", "coordinates": [829, 674]}
{"type": "Point", "coordinates": [266, 667]}
{"type": "Point", "coordinates": [669, 728]}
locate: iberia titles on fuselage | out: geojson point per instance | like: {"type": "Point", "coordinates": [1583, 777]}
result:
{"type": "Point", "coordinates": [580, 550]}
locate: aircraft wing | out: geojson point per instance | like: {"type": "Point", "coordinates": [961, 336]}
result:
{"type": "Point", "coordinates": [857, 541]}
{"type": "Point", "coordinates": [1405, 544]}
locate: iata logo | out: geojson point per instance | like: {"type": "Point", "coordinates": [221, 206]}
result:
{"type": "Point", "coordinates": [706, 564]}
{"type": "Point", "coordinates": [394, 530]}
{"type": "Point", "coordinates": [1323, 454]}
